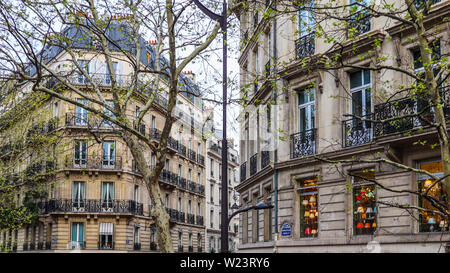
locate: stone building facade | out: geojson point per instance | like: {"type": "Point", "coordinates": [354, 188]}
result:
{"type": "Point", "coordinates": [96, 199]}
{"type": "Point", "coordinates": [286, 130]}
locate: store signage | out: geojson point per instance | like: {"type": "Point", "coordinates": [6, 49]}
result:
{"type": "Point", "coordinates": [286, 230]}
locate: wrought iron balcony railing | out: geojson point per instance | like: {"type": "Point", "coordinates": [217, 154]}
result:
{"type": "Point", "coordinates": [137, 246]}
{"type": "Point", "coordinates": [153, 246]}
{"type": "Point", "coordinates": [100, 79]}
{"type": "Point", "coordinates": [303, 143]}
{"type": "Point", "coordinates": [106, 245]}
{"type": "Point", "coordinates": [199, 220]}
{"type": "Point", "coordinates": [253, 164]}
{"type": "Point", "coordinates": [265, 158]}
{"type": "Point", "coordinates": [180, 248]}
{"type": "Point", "coordinates": [94, 162]}
{"type": "Point", "coordinates": [192, 155]}
{"type": "Point", "coordinates": [87, 121]}
{"type": "Point", "coordinates": [359, 23]}
{"type": "Point", "coordinates": [190, 219]}
{"type": "Point", "coordinates": [91, 206]}
{"type": "Point", "coordinates": [243, 171]}
{"type": "Point", "coordinates": [357, 132]}
{"type": "Point", "coordinates": [305, 46]}
{"type": "Point", "coordinates": [412, 113]}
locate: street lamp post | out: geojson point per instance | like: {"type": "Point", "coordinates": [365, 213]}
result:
{"type": "Point", "coordinates": [222, 19]}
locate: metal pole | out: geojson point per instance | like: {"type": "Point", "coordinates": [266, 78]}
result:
{"type": "Point", "coordinates": [224, 215]}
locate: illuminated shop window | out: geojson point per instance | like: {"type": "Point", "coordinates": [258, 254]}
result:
{"type": "Point", "coordinates": [364, 204]}
{"type": "Point", "coordinates": [429, 221]}
{"type": "Point", "coordinates": [309, 212]}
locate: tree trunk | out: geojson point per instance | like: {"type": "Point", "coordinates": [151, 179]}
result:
{"type": "Point", "coordinates": [151, 181]}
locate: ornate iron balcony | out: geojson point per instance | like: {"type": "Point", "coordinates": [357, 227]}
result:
{"type": "Point", "coordinates": [201, 159]}
{"type": "Point", "coordinates": [94, 162]}
{"type": "Point", "coordinates": [100, 79]}
{"type": "Point", "coordinates": [137, 246]}
{"type": "Point", "coordinates": [253, 164]}
{"type": "Point", "coordinates": [243, 171]}
{"type": "Point", "coordinates": [191, 219]}
{"type": "Point", "coordinates": [192, 155]}
{"type": "Point", "coordinates": [199, 220]}
{"type": "Point", "coordinates": [91, 206]}
{"type": "Point", "coordinates": [265, 158]}
{"type": "Point", "coordinates": [305, 46]}
{"type": "Point", "coordinates": [359, 23]}
{"type": "Point", "coordinates": [153, 246]}
{"type": "Point", "coordinates": [303, 143]}
{"type": "Point", "coordinates": [87, 121]}
{"type": "Point", "coordinates": [357, 132]}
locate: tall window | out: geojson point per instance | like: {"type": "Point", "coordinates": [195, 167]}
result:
{"type": "Point", "coordinates": [77, 238]}
{"type": "Point", "coordinates": [108, 154]}
{"type": "Point", "coordinates": [364, 203]}
{"type": "Point", "coordinates": [306, 20]}
{"type": "Point", "coordinates": [107, 196]}
{"type": "Point", "coordinates": [360, 89]}
{"type": "Point", "coordinates": [110, 114]}
{"type": "Point", "coordinates": [179, 204]}
{"type": "Point", "coordinates": [81, 114]}
{"type": "Point", "coordinates": [136, 193]}
{"type": "Point", "coordinates": [78, 196]}
{"type": "Point", "coordinates": [309, 209]}
{"type": "Point", "coordinates": [80, 153]}
{"type": "Point", "coordinates": [153, 122]}
{"type": "Point", "coordinates": [85, 67]}
{"type": "Point", "coordinates": [429, 221]}
{"type": "Point", "coordinates": [306, 111]}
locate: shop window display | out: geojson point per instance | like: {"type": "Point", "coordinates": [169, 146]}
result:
{"type": "Point", "coordinates": [309, 211]}
{"type": "Point", "coordinates": [364, 204]}
{"type": "Point", "coordinates": [432, 222]}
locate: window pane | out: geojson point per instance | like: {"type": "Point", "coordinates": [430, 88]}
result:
{"type": "Point", "coordinates": [355, 79]}
{"type": "Point", "coordinates": [357, 103]}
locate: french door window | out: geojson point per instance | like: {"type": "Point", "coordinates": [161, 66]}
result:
{"type": "Point", "coordinates": [108, 154]}
{"type": "Point", "coordinates": [85, 67]}
{"type": "Point", "coordinates": [80, 153]}
{"type": "Point", "coordinates": [306, 110]}
{"type": "Point", "coordinates": [78, 196]}
{"type": "Point", "coordinates": [430, 221]}
{"type": "Point", "coordinates": [81, 114]}
{"type": "Point", "coordinates": [110, 103]}
{"type": "Point", "coordinates": [77, 237]}
{"type": "Point", "coordinates": [361, 100]}
{"type": "Point", "coordinates": [107, 196]}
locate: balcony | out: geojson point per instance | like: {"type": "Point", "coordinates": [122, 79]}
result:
{"type": "Point", "coordinates": [305, 46]}
{"type": "Point", "coordinates": [153, 246]}
{"type": "Point", "coordinates": [201, 159]}
{"type": "Point", "coordinates": [303, 143]}
{"type": "Point", "coordinates": [253, 164]}
{"type": "Point", "coordinates": [91, 206]}
{"type": "Point", "coordinates": [192, 155]}
{"type": "Point", "coordinates": [137, 246]}
{"type": "Point", "coordinates": [48, 245]}
{"type": "Point", "coordinates": [94, 162]}
{"type": "Point", "coordinates": [87, 121]}
{"type": "Point", "coordinates": [356, 132]}
{"type": "Point", "coordinates": [359, 23]}
{"type": "Point", "coordinates": [190, 219]}
{"type": "Point", "coordinates": [100, 79]}
{"type": "Point", "coordinates": [199, 220]}
{"type": "Point", "coordinates": [180, 248]}
{"type": "Point", "coordinates": [182, 149]}
{"type": "Point", "coordinates": [243, 171]}
{"type": "Point", "coordinates": [190, 249]}
{"type": "Point", "coordinates": [199, 249]}
{"type": "Point", "coordinates": [265, 158]}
